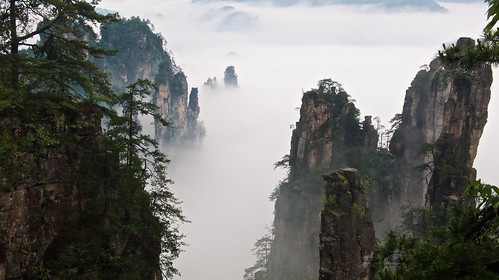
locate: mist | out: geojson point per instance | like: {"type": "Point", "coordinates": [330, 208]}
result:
{"type": "Point", "coordinates": [279, 52]}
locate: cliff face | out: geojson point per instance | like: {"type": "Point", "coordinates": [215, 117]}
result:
{"type": "Point", "coordinates": [36, 187]}
{"type": "Point", "coordinates": [327, 130]}
{"type": "Point", "coordinates": [175, 107]}
{"type": "Point", "coordinates": [141, 56]}
{"type": "Point", "coordinates": [448, 111]}
{"type": "Point", "coordinates": [60, 215]}
{"type": "Point", "coordinates": [347, 239]}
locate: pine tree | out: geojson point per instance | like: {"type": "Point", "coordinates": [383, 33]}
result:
{"type": "Point", "coordinates": [60, 61]}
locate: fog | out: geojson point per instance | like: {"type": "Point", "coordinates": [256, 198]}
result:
{"type": "Point", "coordinates": [278, 52]}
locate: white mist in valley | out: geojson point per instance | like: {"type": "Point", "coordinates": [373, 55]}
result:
{"type": "Point", "coordinates": [278, 52]}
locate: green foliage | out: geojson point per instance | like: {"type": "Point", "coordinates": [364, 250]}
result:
{"type": "Point", "coordinates": [146, 164]}
{"type": "Point", "coordinates": [135, 42]}
{"type": "Point", "coordinates": [333, 94]}
{"type": "Point", "coordinates": [300, 195]}
{"type": "Point", "coordinates": [395, 122]}
{"type": "Point", "coordinates": [115, 229]}
{"type": "Point", "coordinates": [41, 272]}
{"type": "Point", "coordinates": [58, 62]}
{"type": "Point", "coordinates": [330, 203]}
{"type": "Point", "coordinates": [283, 163]}
{"type": "Point", "coordinates": [419, 221]}
{"type": "Point", "coordinates": [165, 73]}
{"type": "Point", "coordinates": [355, 208]}
{"type": "Point", "coordinates": [277, 190]}
{"type": "Point", "coordinates": [486, 50]}
{"type": "Point", "coordinates": [486, 211]}
{"type": "Point", "coordinates": [259, 271]}
{"type": "Point", "coordinates": [463, 246]}
{"type": "Point", "coordinates": [39, 137]}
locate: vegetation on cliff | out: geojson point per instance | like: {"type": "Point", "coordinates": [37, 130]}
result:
{"type": "Point", "coordinates": [460, 243]}
{"type": "Point", "coordinates": [140, 51]}
{"type": "Point", "coordinates": [329, 135]}
{"type": "Point", "coordinates": [436, 133]}
{"type": "Point", "coordinates": [91, 216]}
{"type": "Point", "coordinates": [455, 235]}
{"type": "Point", "coordinates": [142, 55]}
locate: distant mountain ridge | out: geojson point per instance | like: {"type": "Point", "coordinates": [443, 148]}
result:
{"type": "Point", "coordinates": [431, 5]}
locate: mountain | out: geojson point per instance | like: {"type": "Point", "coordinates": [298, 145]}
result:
{"type": "Point", "coordinates": [429, 5]}
{"type": "Point", "coordinates": [347, 239]}
{"type": "Point", "coordinates": [442, 121]}
{"type": "Point", "coordinates": [429, 163]}
{"type": "Point", "coordinates": [328, 135]}
{"type": "Point", "coordinates": [141, 55]}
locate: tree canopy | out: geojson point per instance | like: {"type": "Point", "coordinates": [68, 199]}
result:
{"type": "Point", "coordinates": [459, 244]}
{"type": "Point", "coordinates": [56, 33]}
{"type": "Point", "coordinates": [486, 50]}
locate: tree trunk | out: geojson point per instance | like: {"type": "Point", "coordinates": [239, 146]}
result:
{"type": "Point", "coordinates": [14, 46]}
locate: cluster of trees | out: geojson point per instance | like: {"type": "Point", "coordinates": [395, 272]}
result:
{"type": "Point", "coordinates": [45, 55]}
{"type": "Point", "coordinates": [459, 242]}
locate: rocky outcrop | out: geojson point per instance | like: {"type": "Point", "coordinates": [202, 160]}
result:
{"type": "Point", "coordinates": [195, 129]}
{"type": "Point", "coordinates": [230, 77]}
{"type": "Point", "coordinates": [347, 239]}
{"type": "Point", "coordinates": [327, 130]}
{"type": "Point", "coordinates": [294, 253]}
{"type": "Point", "coordinates": [141, 56]}
{"type": "Point", "coordinates": [311, 141]}
{"type": "Point", "coordinates": [447, 110]}
{"type": "Point", "coordinates": [176, 108]}
{"type": "Point", "coordinates": [442, 121]}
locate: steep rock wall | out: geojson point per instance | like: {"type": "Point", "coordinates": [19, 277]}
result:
{"type": "Point", "coordinates": [141, 56]}
{"type": "Point", "coordinates": [444, 107]}
{"type": "Point", "coordinates": [54, 179]}
{"type": "Point", "coordinates": [328, 128]}
{"type": "Point", "coordinates": [178, 107]}
{"type": "Point", "coordinates": [347, 239]}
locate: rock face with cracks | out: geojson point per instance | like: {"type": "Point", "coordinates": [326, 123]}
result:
{"type": "Point", "coordinates": [440, 127]}
{"type": "Point", "coordinates": [141, 56]}
{"type": "Point", "coordinates": [56, 209]}
{"type": "Point", "coordinates": [328, 127]}
{"type": "Point", "coordinates": [347, 239]}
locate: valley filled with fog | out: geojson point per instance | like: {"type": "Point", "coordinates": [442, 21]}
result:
{"type": "Point", "coordinates": [279, 52]}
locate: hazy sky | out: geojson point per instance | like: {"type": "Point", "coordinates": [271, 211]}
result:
{"type": "Point", "coordinates": [279, 51]}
